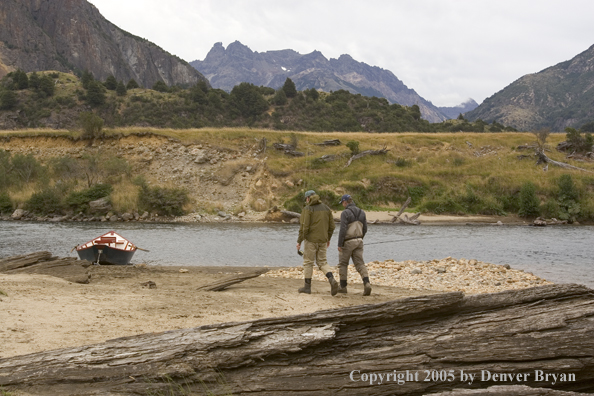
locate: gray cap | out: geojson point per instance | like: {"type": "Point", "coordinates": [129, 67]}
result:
{"type": "Point", "coordinates": [309, 193]}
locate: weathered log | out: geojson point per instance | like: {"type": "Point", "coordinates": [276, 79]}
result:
{"type": "Point", "coordinates": [398, 217]}
{"type": "Point", "coordinates": [333, 142]}
{"type": "Point", "coordinates": [547, 328]}
{"type": "Point", "coordinates": [224, 283]}
{"type": "Point", "coordinates": [68, 268]}
{"type": "Point", "coordinates": [283, 146]}
{"type": "Point", "coordinates": [365, 153]}
{"type": "Point", "coordinates": [543, 159]}
{"type": "Point", "coordinates": [291, 214]}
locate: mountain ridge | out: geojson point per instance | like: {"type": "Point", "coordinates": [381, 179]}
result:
{"type": "Point", "coordinates": [228, 67]}
{"type": "Point", "coordinates": [72, 35]}
{"type": "Point", "coordinates": [557, 97]}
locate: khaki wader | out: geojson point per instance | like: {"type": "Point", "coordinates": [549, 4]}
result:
{"type": "Point", "coordinates": [352, 248]}
{"type": "Point", "coordinates": [314, 252]}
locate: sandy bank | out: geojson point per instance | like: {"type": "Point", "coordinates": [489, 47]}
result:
{"type": "Point", "coordinates": [40, 312]}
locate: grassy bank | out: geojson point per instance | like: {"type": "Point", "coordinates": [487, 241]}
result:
{"type": "Point", "coordinates": [443, 173]}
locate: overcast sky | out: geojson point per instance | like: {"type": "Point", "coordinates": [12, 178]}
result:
{"type": "Point", "coordinates": [446, 50]}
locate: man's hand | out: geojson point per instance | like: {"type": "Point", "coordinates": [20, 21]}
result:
{"type": "Point", "coordinates": [298, 246]}
{"type": "Point", "coordinates": [328, 244]}
{"type": "Point", "coordinates": [339, 249]}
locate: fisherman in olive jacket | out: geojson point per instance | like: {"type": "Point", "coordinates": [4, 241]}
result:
{"type": "Point", "coordinates": [353, 227]}
{"type": "Point", "coordinates": [315, 231]}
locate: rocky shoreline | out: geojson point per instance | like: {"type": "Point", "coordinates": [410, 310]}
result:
{"type": "Point", "coordinates": [445, 275]}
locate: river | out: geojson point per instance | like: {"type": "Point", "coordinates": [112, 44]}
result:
{"type": "Point", "coordinates": [560, 254]}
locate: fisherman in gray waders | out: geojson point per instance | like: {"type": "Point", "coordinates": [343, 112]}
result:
{"type": "Point", "coordinates": [315, 231]}
{"type": "Point", "coordinates": [353, 227]}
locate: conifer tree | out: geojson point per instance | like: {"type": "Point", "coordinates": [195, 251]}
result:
{"type": "Point", "coordinates": [289, 88]}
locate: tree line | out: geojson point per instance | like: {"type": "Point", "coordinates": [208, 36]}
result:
{"type": "Point", "coordinates": [37, 96]}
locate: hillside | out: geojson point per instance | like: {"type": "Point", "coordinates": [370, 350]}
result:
{"type": "Point", "coordinates": [71, 35]}
{"type": "Point", "coordinates": [557, 97]}
{"type": "Point", "coordinates": [241, 171]}
{"type": "Point", "coordinates": [226, 68]}
{"type": "Point", "coordinates": [56, 100]}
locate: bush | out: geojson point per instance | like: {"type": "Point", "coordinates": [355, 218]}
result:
{"type": "Point", "coordinates": [132, 84]}
{"type": "Point", "coordinates": [79, 200]}
{"type": "Point", "coordinates": [160, 86]}
{"type": "Point", "coordinates": [8, 100]}
{"type": "Point", "coordinates": [91, 125]}
{"type": "Point", "coordinates": [569, 207]}
{"type": "Point", "coordinates": [26, 168]}
{"type": "Point", "coordinates": [5, 203]}
{"type": "Point", "coordinates": [529, 202]}
{"type": "Point", "coordinates": [353, 145]}
{"type": "Point", "coordinates": [47, 201]}
{"type": "Point", "coordinates": [164, 201]}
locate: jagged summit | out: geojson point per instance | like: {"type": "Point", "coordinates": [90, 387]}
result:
{"type": "Point", "coordinates": [225, 69]}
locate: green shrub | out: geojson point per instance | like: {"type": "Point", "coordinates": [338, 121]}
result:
{"type": "Point", "coordinates": [164, 201]}
{"type": "Point", "coordinates": [402, 162]}
{"type": "Point", "coordinates": [26, 168]}
{"type": "Point", "coordinates": [91, 125]}
{"type": "Point", "coordinates": [568, 198]}
{"type": "Point", "coordinates": [47, 201]}
{"type": "Point", "coordinates": [79, 200]}
{"type": "Point", "coordinates": [5, 203]}
{"type": "Point", "coordinates": [442, 205]}
{"type": "Point", "coordinates": [353, 145]}
{"type": "Point", "coordinates": [529, 202]}
{"type": "Point", "coordinates": [550, 209]}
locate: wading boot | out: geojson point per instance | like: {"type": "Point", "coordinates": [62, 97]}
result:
{"type": "Point", "coordinates": [306, 288]}
{"type": "Point", "coordinates": [333, 284]}
{"type": "Point", "coordinates": [366, 286]}
{"type": "Point", "coordinates": [367, 289]}
{"type": "Point", "coordinates": [343, 287]}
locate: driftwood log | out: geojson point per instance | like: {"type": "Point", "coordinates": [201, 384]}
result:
{"type": "Point", "coordinates": [365, 153]}
{"type": "Point", "coordinates": [515, 336]}
{"type": "Point", "coordinates": [543, 159]}
{"type": "Point", "coordinates": [291, 214]}
{"type": "Point", "coordinates": [224, 283]}
{"type": "Point", "coordinates": [399, 217]}
{"type": "Point", "coordinates": [69, 268]}
{"type": "Point", "coordinates": [333, 142]}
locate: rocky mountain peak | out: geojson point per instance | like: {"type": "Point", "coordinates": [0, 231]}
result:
{"type": "Point", "coordinates": [71, 35]}
{"type": "Point", "coordinates": [239, 64]}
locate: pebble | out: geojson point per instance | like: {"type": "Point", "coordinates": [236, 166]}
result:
{"type": "Point", "coordinates": [449, 274]}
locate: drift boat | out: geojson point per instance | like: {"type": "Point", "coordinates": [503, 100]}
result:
{"type": "Point", "coordinates": [109, 248]}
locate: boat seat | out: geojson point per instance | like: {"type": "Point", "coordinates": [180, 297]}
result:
{"type": "Point", "coordinates": [106, 240]}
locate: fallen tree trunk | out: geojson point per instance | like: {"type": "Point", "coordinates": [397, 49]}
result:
{"type": "Point", "coordinates": [332, 142]}
{"type": "Point", "coordinates": [291, 214]}
{"type": "Point", "coordinates": [364, 153]}
{"type": "Point", "coordinates": [69, 268]}
{"type": "Point", "coordinates": [442, 337]}
{"type": "Point", "coordinates": [413, 220]}
{"type": "Point", "coordinates": [543, 159]}
{"type": "Point", "coordinates": [224, 283]}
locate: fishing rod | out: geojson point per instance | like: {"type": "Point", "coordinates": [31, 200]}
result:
{"type": "Point", "coordinates": [405, 239]}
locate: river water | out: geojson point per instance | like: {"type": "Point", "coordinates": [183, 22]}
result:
{"type": "Point", "coordinates": [561, 254]}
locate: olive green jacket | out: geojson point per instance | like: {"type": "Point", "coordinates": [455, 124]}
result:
{"type": "Point", "coordinates": [316, 222]}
